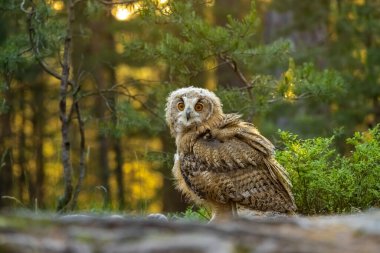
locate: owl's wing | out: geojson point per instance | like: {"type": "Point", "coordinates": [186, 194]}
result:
{"type": "Point", "coordinates": [238, 152]}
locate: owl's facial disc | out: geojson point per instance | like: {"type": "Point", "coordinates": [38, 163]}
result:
{"type": "Point", "coordinates": [189, 112]}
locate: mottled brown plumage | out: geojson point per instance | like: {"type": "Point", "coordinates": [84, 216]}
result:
{"type": "Point", "coordinates": [222, 161]}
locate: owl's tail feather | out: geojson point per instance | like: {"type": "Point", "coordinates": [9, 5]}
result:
{"type": "Point", "coordinates": [280, 175]}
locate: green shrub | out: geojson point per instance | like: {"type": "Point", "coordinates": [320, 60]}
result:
{"type": "Point", "coordinates": [327, 182]}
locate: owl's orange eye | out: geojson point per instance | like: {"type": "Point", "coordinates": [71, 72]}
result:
{"type": "Point", "coordinates": [198, 107]}
{"type": "Point", "coordinates": [181, 106]}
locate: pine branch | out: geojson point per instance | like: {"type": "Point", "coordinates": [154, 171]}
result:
{"type": "Point", "coordinates": [105, 2]}
{"type": "Point", "coordinates": [115, 89]}
{"type": "Point", "coordinates": [31, 32]}
{"type": "Point", "coordinates": [302, 96]}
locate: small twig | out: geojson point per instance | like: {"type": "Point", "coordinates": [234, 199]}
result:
{"type": "Point", "coordinates": [134, 97]}
{"type": "Point", "coordinates": [23, 8]}
{"type": "Point", "coordinates": [25, 51]}
{"type": "Point", "coordinates": [124, 93]}
{"type": "Point", "coordinates": [232, 63]}
{"type": "Point", "coordinates": [14, 199]}
{"type": "Point", "coordinates": [214, 67]}
{"type": "Point", "coordinates": [105, 194]}
{"type": "Point", "coordinates": [52, 72]}
{"type": "Point", "coordinates": [109, 107]}
{"type": "Point", "coordinates": [250, 86]}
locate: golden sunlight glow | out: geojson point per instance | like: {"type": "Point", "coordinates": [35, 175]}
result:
{"type": "Point", "coordinates": [210, 3]}
{"type": "Point", "coordinates": [167, 10]}
{"type": "Point", "coordinates": [125, 72]}
{"type": "Point", "coordinates": [49, 148]}
{"type": "Point", "coordinates": [164, 8]}
{"type": "Point", "coordinates": [119, 48]}
{"type": "Point", "coordinates": [363, 55]}
{"type": "Point", "coordinates": [359, 2]}
{"type": "Point", "coordinates": [210, 63]}
{"type": "Point", "coordinates": [57, 5]}
{"type": "Point", "coordinates": [289, 94]}
{"type": "Point", "coordinates": [352, 15]}
{"type": "Point", "coordinates": [332, 17]}
{"type": "Point", "coordinates": [360, 54]}
{"type": "Point", "coordinates": [125, 12]}
{"type": "Point", "coordinates": [144, 183]}
{"type": "Point", "coordinates": [122, 12]}
{"type": "Point", "coordinates": [211, 78]}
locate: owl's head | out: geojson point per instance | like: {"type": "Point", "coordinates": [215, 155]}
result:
{"type": "Point", "coordinates": [191, 108]}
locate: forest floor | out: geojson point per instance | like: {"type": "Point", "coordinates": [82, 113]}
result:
{"type": "Point", "coordinates": [24, 233]}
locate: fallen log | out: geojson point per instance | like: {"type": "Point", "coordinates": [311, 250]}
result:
{"type": "Point", "coordinates": [21, 233]}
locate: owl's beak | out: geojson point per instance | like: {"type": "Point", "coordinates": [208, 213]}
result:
{"type": "Point", "coordinates": [188, 111]}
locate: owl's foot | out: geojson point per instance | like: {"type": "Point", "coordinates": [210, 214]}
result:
{"type": "Point", "coordinates": [222, 212]}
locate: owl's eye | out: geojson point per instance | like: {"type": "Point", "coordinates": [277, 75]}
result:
{"type": "Point", "coordinates": [198, 107]}
{"type": "Point", "coordinates": [181, 106]}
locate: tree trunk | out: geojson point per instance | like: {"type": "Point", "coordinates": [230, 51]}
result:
{"type": "Point", "coordinates": [101, 78]}
{"type": "Point", "coordinates": [65, 125]}
{"type": "Point", "coordinates": [119, 174]}
{"type": "Point", "coordinates": [101, 42]}
{"type": "Point", "coordinates": [104, 169]}
{"type": "Point", "coordinates": [22, 179]}
{"type": "Point", "coordinates": [38, 133]}
{"type": "Point", "coordinates": [6, 164]}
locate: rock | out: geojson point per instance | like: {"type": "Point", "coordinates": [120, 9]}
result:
{"type": "Point", "coordinates": [157, 216]}
{"type": "Point", "coordinates": [116, 234]}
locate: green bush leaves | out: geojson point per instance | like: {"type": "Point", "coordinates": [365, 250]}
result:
{"type": "Point", "coordinates": [327, 182]}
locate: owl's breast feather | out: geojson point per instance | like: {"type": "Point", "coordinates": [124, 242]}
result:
{"type": "Point", "coordinates": [181, 183]}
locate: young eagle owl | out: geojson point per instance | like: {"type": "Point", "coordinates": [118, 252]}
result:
{"type": "Point", "coordinates": [221, 160]}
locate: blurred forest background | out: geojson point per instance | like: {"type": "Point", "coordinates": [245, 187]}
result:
{"type": "Point", "coordinates": [83, 85]}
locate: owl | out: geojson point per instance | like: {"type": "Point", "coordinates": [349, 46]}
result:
{"type": "Point", "coordinates": [221, 161]}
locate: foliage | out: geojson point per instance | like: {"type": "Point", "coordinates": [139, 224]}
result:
{"type": "Point", "coordinates": [364, 164]}
{"type": "Point", "coordinates": [128, 121]}
{"type": "Point", "coordinates": [190, 41]}
{"type": "Point", "coordinates": [306, 79]}
{"type": "Point", "coordinates": [344, 36]}
{"type": "Point", "coordinates": [191, 46]}
{"type": "Point", "coordinates": [192, 214]}
{"type": "Point", "coordinates": [326, 182]}
{"type": "Point", "coordinates": [125, 70]}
